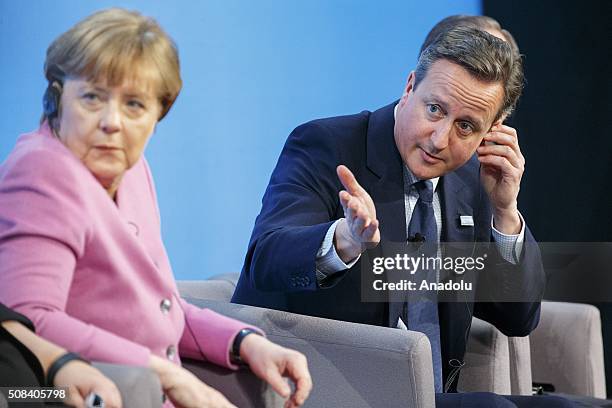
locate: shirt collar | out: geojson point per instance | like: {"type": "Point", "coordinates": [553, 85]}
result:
{"type": "Point", "coordinates": [411, 177]}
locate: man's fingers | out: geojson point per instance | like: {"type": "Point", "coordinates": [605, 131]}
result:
{"type": "Point", "coordinates": [501, 165]}
{"type": "Point", "coordinates": [348, 180]}
{"type": "Point", "coordinates": [369, 232]}
{"type": "Point", "coordinates": [352, 209]}
{"type": "Point", "coordinates": [359, 223]}
{"type": "Point", "coordinates": [344, 198]}
{"type": "Point", "coordinates": [505, 136]}
{"type": "Point", "coordinates": [349, 202]}
{"type": "Point", "coordinates": [359, 220]}
{"type": "Point", "coordinates": [503, 151]}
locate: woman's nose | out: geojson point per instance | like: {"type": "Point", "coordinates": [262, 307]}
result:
{"type": "Point", "coordinates": [111, 118]}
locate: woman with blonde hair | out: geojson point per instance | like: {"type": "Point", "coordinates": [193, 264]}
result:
{"type": "Point", "coordinates": [81, 252]}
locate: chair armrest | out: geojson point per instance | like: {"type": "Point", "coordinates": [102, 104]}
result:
{"type": "Point", "coordinates": [567, 349]}
{"type": "Point", "coordinates": [351, 364]}
{"type": "Point", "coordinates": [486, 360]}
{"type": "Point", "coordinates": [242, 388]}
{"type": "Point", "coordinates": [139, 386]}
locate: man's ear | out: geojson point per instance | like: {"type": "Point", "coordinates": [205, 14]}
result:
{"type": "Point", "coordinates": [496, 123]}
{"type": "Point", "coordinates": [500, 120]}
{"type": "Point", "coordinates": [409, 85]}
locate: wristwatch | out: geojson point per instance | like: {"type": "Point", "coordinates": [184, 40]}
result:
{"type": "Point", "coordinates": [235, 351]}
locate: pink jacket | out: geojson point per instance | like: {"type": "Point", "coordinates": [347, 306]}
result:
{"type": "Point", "coordinates": [93, 275]}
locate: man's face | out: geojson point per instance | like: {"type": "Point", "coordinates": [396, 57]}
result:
{"type": "Point", "coordinates": [439, 125]}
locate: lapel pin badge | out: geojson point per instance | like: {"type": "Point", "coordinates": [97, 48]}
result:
{"type": "Point", "coordinates": [466, 221]}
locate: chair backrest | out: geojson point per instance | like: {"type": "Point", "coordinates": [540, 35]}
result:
{"type": "Point", "coordinates": [218, 287]}
{"type": "Point", "coordinates": [487, 361]}
{"type": "Point", "coordinates": [567, 349]}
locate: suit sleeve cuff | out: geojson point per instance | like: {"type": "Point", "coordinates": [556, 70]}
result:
{"type": "Point", "coordinates": [328, 262]}
{"type": "Point", "coordinates": [510, 247]}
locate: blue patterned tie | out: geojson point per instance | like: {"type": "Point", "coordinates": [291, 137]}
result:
{"type": "Point", "coordinates": [423, 315]}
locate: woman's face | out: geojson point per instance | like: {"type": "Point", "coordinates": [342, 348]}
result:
{"type": "Point", "coordinates": [107, 127]}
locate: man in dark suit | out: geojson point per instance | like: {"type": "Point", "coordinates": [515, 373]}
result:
{"type": "Point", "coordinates": [318, 217]}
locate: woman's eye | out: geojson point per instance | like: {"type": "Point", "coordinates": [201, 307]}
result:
{"type": "Point", "coordinates": [433, 108]}
{"type": "Point", "coordinates": [135, 104]}
{"type": "Point", "coordinates": [91, 97]}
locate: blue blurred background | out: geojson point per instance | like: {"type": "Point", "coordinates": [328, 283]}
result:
{"type": "Point", "coordinates": [252, 71]}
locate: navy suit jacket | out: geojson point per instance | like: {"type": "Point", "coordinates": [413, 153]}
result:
{"type": "Point", "coordinates": [301, 202]}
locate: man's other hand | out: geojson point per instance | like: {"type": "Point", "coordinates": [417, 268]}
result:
{"type": "Point", "coordinates": [502, 169]}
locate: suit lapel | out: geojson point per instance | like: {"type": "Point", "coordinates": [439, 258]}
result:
{"type": "Point", "coordinates": [455, 199]}
{"type": "Point", "coordinates": [387, 191]}
{"type": "Point", "coordinates": [385, 162]}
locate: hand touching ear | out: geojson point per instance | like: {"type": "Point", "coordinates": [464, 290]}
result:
{"type": "Point", "coordinates": [502, 168]}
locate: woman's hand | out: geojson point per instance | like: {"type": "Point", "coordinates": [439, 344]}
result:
{"type": "Point", "coordinates": [272, 362]}
{"type": "Point", "coordinates": [81, 379]}
{"type": "Point", "coordinates": [184, 389]}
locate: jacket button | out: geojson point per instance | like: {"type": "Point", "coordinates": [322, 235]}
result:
{"type": "Point", "coordinates": [171, 352]}
{"type": "Point", "coordinates": [165, 306]}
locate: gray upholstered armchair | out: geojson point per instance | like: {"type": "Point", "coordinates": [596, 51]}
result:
{"type": "Point", "coordinates": [351, 363]}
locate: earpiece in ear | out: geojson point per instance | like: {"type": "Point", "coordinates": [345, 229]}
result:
{"type": "Point", "coordinates": [51, 100]}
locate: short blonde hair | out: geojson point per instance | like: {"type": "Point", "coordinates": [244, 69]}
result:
{"type": "Point", "coordinates": [113, 45]}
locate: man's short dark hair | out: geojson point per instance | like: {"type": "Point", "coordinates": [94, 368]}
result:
{"type": "Point", "coordinates": [483, 55]}
{"type": "Point", "coordinates": [462, 20]}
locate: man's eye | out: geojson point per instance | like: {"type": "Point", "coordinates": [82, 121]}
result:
{"type": "Point", "coordinates": [431, 108]}
{"type": "Point", "coordinates": [465, 127]}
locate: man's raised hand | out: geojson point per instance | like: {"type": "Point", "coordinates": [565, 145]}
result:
{"type": "Point", "coordinates": [358, 230]}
